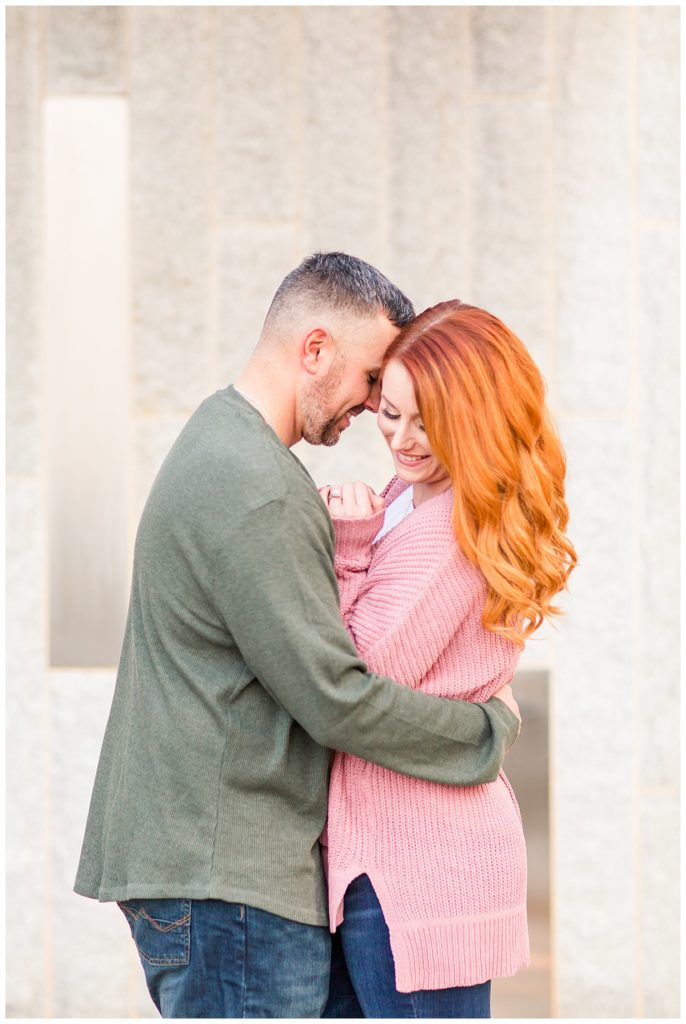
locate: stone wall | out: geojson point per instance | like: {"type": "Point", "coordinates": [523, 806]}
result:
{"type": "Point", "coordinates": [521, 158]}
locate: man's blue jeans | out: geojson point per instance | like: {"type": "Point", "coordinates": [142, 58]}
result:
{"type": "Point", "coordinates": [210, 958]}
{"type": "Point", "coordinates": [363, 972]}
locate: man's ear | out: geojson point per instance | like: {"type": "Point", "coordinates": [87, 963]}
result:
{"type": "Point", "coordinates": [317, 351]}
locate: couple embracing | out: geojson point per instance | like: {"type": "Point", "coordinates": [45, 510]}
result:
{"type": "Point", "coordinates": [312, 706]}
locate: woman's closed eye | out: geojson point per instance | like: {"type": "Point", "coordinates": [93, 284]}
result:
{"type": "Point", "coordinates": [396, 416]}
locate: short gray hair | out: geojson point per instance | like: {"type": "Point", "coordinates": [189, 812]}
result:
{"type": "Point", "coordinates": [336, 281]}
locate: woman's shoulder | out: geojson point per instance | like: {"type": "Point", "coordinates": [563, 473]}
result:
{"type": "Point", "coordinates": [427, 536]}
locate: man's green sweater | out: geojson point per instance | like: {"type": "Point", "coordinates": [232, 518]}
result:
{"type": "Point", "coordinates": [237, 678]}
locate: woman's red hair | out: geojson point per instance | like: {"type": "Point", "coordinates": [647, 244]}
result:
{"type": "Point", "coordinates": [482, 403]}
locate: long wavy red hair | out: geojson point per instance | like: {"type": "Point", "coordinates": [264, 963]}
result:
{"type": "Point", "coordinates": [482, 403]}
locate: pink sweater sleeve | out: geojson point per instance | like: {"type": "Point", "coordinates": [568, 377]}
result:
{"type": "Point", "coordinates": [353, 556]}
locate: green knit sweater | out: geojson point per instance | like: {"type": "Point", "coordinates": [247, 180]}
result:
{"type": "Point", "coordinates": [236, 679]}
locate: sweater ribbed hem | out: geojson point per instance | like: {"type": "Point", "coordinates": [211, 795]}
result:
{"type": "Point", "coordinates": [443, 954]}
{"type": "Point", "coordinates": [461, 953]}
{"type": "Point", "coordinates": [354, 537]}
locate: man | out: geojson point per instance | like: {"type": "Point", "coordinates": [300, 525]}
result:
{"type": "Point", "coordinates": [237, 676]}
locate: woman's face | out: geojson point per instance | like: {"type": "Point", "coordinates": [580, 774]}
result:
{"type": "Point", "coordinates": [401, 425]}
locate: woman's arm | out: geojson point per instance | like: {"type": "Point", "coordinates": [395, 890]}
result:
{"type": "Point", "coordinates": [357, 515]}
{"type": "Point", "coordinates": [417, 593]}
{"type": "Point", "coordinates": [403, 607]}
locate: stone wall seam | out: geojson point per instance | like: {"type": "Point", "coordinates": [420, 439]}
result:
{"type": "Point", "coordinates": [296, 28]}
{"type": "Point", "coordinates": [553, 808]}
{"type": "Point", "coordinates": [47, 913]}
{"type": "Point", "coordinates": [384, 214]}
{"type": "Point", "coordinates": [636, 574]}
{"type": "Point", "coordinates": [553, 826]}
{"type": "Point", "coordinates": [213, 197]}
{"type": "Point", "coordinates": [551, 381]}
{"type": "Point", "coordinates": [469, 135]}
{"type": "Point", "coordinates": [47, 917]}
{"type": "Point", "coordinates": [132, 524]}
{"type": "Point", "coordinates": [554, 242]}
{"type": "Point", "coordinates": [126, 34]}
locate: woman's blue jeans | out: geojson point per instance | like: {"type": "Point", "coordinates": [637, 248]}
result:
{"type": "Point", "coordinates": [363, 974]}
{"type": "Point", "coordinates": [210, 958]}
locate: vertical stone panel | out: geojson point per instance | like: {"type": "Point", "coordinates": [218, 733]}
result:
{"type": "Point", "coordinates": [658, 112]}
{"type": "Point", "coordinates": [508, 46]}
{"type": "Point", "coordinates": [23, 351]}
{"type": "Point", "coordinates": [87, 397]}
{"type": "Point", "coordinates": [428, 152]}
{"type": "Point", "coordinates": [344, 155]}
{"type": "Point", "coordinates": [511, 227]}
{"type": "Point", "coordinates": [251, 263]}
{"type": "Point", "coordinates": [660, 893]}
{"type": "Point", "coordinates": [257, 114]}
{"type": "Point", "coordinates": [171, 199]}
{"type": "Point", "coordinates": [592, 192]}
{"type": "Point", "coordinates": [658, 433]}
{"type": "Point", "coordinates": [86, 49]}
{"type": "Point", "coordinates": [28, 979]}
{"type": "Point", "coordinates": [91, 941]}
{"type": "Point", "coordinates": [594, 861]}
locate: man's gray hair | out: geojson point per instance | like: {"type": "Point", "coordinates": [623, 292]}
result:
{"type": "Point", "coordinates": [336, 281]}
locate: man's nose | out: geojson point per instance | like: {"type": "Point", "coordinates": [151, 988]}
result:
{"type": "Point", "coordinates": [374, 400]}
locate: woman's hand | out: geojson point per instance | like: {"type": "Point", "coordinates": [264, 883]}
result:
{"type": "Point", "coordinates": [507, 697]}
{"type": "Point", "coordinates": [354, 500]}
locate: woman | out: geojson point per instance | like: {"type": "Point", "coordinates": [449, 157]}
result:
{"type": "Point", "coordinates": [439, 590]}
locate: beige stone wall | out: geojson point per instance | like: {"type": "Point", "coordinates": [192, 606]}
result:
{"type": "Point", "coordinates": [522, 158]}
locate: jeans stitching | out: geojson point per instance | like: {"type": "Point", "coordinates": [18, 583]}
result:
{"type": "Point", "coordinates": [181, 922]}
{"type": "Point", "coordinates": [156, 924]}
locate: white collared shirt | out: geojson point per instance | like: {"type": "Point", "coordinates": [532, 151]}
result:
{"type": "Point", "coordinates": [396, 512]}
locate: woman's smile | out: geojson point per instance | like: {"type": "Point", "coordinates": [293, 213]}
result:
{"type": "Point", "coordinates": [409, 460]}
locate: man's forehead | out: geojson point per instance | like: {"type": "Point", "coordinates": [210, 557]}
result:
{"type": "Point", "coordinates": [381, 334]}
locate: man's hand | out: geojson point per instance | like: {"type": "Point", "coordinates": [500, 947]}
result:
{"type": "Point", "coordinates": [507, 697]}
{"type": "Point", "coordinates": [351, 500]}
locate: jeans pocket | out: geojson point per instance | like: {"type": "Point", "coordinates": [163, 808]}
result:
{"type": "Point", "coordinates": [161, 929]}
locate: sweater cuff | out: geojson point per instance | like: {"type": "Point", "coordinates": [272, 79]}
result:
{"type": "Point", "coordinates": [354, 537]}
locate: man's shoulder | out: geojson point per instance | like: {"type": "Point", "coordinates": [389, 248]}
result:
{"type": "Point", "coordinates": [228, 460]}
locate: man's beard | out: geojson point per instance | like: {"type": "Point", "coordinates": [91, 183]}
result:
{"type": "Point", "coordinates": [318, 426]}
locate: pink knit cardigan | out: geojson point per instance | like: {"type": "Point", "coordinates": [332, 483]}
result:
{"type": "Point", "coordinates": [448, 863]}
